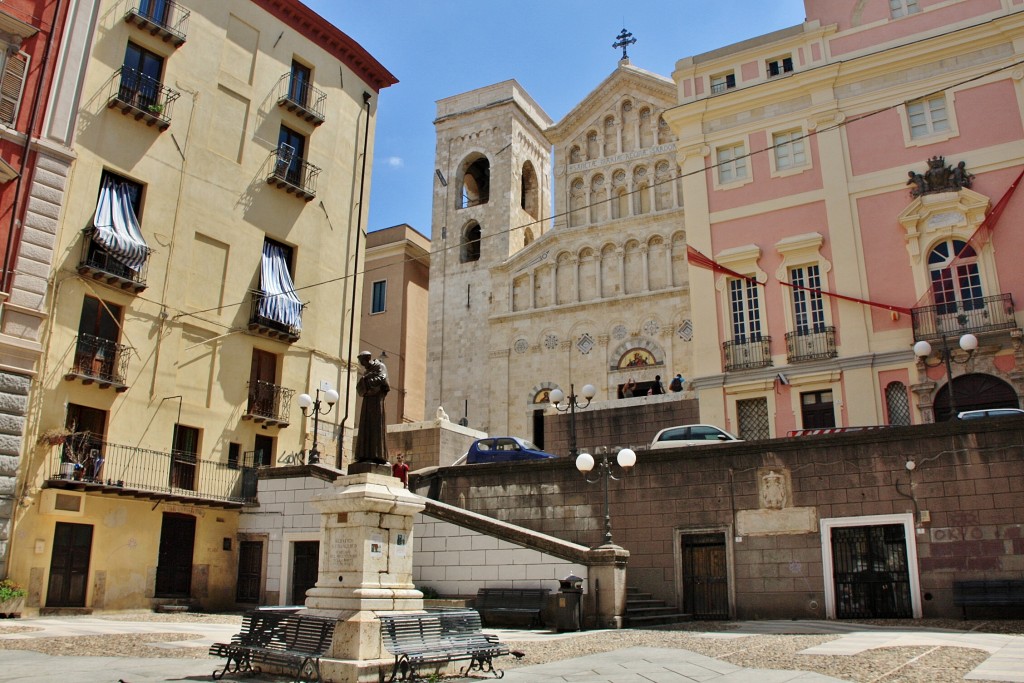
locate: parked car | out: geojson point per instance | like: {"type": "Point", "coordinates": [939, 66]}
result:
{"type": "Point", "coordinates": [990, 412]}
{"type": "Point", "coordinates": [691, 435]}
{"type": "Point", "coordinates": [502, 449]}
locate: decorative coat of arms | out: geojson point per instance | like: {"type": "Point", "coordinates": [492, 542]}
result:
{"type": "Point", "coordinates": [939, 178]}
{"type": "Point", "coordinates": [773, 490]}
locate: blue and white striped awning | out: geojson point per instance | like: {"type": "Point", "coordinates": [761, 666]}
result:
{"type": "Point", "coordinates": [279, 302]}
{"type": "Point", "coordinates": [116, 227]}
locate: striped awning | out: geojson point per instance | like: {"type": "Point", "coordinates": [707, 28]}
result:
{"type": "Point", "coordinates": [116, 227]}
{"type": "Point", "coordinates": [279, 302]}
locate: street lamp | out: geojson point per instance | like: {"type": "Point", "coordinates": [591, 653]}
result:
{"type": "Point", "coordinates": [625, 459]}
{"type": "Point", "coordinates": [556, 397]}
{"type": "Point", "coordinates": [308, 404]}
{"type": "Point", "coordinates": [968, 343]}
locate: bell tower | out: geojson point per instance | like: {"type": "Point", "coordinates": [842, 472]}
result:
{"type": "Point", "coordinates": [492, 197]}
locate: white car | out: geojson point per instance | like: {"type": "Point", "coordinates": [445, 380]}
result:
{"type": "Point", "coordinates": [691, 435]}
{"type": "Point", "coordinates": [990, 412]}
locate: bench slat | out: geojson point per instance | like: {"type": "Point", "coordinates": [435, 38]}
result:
{"type": "Point", "coordinates": [438, 638]}
{"type": "Point", "coordinates": [287, 639]}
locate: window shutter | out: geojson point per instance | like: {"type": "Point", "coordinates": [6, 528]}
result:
{"type": "Point", "coordinates": [12, 83]}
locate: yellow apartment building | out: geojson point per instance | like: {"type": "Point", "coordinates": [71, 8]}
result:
{"type": "Point", "coordinates": [204, 277]}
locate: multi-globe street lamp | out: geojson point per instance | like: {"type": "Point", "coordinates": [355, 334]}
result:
{"type": "Point", "coordinates": [573, 403]}
{"type": "Point", "coordinates": [968, 344]}
{"type": "Point", "coordinates": [310, 405]}
{"type": "Point", "coordinates": [625, 459]}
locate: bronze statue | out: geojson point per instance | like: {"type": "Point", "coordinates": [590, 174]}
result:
{"type": "Point", "coordinates": [371, 441]}
{"type": "Point", "coordinates": [917, 180]}
{"type": "Point", "coordinates": [939, 178]}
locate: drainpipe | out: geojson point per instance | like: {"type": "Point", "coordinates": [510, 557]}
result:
{"type": "Point", "coordinates": [16, 226]}
{"type": "Point", "coordinates": [355, 274]}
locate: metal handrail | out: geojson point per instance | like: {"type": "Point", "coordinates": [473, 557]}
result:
{"type": "Point", "coordinates": [255, 318]}
{"type": "Point", "coordinates": [811, 344]}
{"type": "Point", "coordinates": [293, 172]}
{"type": "Point", "coordinates": [143, 94]}
{"type": "Point", "coordinates": [981, 314]}
{"type": "Point", "coordinates": [172, 17]}
{"type": "Point", "coordinates": [102, 360]}
{"type": "Point", "coordinates": [303, 95]}
{"type": "Point", "coordinates": [95, 257]}
{"type": "Point", "coordinates": [125, 468]}
{"type": "Point", "coordinates": [744, 354]}
{"type": "Point", "coordinates": [269, 401]}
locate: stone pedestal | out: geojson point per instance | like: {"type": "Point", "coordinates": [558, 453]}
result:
{"type": "Point", "coordinates": [606, 575]}
{"type": "Point", "coordinates": [365, 568]}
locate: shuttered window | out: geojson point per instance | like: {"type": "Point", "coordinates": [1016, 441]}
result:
{"type": "Point", "coordinates": [12, 84]}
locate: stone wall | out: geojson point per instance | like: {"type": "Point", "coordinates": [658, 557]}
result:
{"type": "Point", "coordinates": [13, 402]}
{"type": "Point", "coordinates": [964, 499]}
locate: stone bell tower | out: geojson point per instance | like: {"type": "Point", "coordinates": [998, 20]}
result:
{"type": "Point", "coordinates": [491, 198]}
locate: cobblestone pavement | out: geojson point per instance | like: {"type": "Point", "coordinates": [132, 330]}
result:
{"type": "Point", "coordinates": [145, 647]}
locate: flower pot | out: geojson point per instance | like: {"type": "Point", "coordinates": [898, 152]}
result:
{"type": "Point", "coordinates": [10, 609]}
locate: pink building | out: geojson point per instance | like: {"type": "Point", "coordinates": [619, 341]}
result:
{"type": "Point", "coordinates": [839, 183]}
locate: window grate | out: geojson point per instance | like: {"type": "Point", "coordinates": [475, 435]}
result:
{"type": "Point", "coordinates": [752, 417]}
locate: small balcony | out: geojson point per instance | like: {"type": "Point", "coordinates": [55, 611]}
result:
{"type": "Point", "coordinates": [811, 344]}
{"type": "Point", "coordinates": [302, 99]}
{"type": "Point", "coordinates": [747, 354]}
{"type": "Point", "coordinates": [99, 264]}
{"type": "Point", "coordinates": [165, 19]}
{"type": "Point", "coordinates": [259, 322]}
{"type": "Point", "coordinates": [100, 361]}
{"type": "Point", "coordinates": [85, 463]}
{"type": "Point", "coordinates": [268, 403]}
{"type": "Point", "coordinates": [955, 318]}
{"type": "Point", "coordinates": [291, 174]}
{"type": "Point", "coordinates": [142, 97]}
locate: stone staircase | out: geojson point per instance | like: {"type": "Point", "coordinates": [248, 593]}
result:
{"type": "Point", "coordinates": [643, 610]}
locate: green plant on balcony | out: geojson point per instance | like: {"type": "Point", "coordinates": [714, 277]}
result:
{"type": "Point", "coordinates": [155, 109]}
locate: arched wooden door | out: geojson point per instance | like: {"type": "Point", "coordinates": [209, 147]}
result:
{"type": "Point", "coordinates": [975, 391]}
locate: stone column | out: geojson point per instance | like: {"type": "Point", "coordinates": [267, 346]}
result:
{"type": "Point", "coordinates": [365, 569]}
{"type": "Point", "coordinates": [606, 575]}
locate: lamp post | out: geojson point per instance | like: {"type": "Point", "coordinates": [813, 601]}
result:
{"type": "Point", "coordinates": [556, 397]}
{"type": "Point", "coordinates": [625, 459]}
{"type": "Point", "coordinates": [923, 350]}
{"type": "Point", "coordinates": [308, 404]}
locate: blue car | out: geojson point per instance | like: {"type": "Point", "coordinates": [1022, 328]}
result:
{"type": "Point", "coordinates": [504, 449]}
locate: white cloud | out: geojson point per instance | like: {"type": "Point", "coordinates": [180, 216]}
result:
{"type": "Point", "coordinates": [395, 162]}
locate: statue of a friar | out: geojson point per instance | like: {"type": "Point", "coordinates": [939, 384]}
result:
{"type": "Point", "coordinates": [373, 387]}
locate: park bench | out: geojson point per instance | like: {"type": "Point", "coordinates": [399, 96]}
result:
{"type": "Point", "coordinates": [438, 638]}
{"type": "Point", "coordinates": [287, 639]}
{"type": "Point", "coordinates": [998, 592]}
{"type": "Point", "coordinates": [523, 605]}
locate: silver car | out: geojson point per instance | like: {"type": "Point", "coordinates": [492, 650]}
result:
{"type": "Point", "coordinates": [691, 435]}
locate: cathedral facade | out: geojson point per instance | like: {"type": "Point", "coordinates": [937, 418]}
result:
{"type": "Point", "coordinates": [528, 292]}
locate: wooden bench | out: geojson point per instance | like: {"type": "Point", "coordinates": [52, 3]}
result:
{"type": "Point", "coordinates": [287, 639]}
{"type": "Point", "coordinates": [997, 592]}
{"type": "Point", "coordinates": [523, 605]}
{"type": "Point", "coordinates": [436, 638]}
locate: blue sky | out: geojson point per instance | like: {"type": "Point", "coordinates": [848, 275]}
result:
{"type": "Point", "coordinates": [558, 50]}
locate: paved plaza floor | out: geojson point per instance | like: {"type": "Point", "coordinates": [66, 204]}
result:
{"type": "Point", "coordinates": [1005, 661]}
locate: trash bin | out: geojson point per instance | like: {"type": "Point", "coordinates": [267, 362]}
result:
{"type": "Point", "coordinates": [569, 612]}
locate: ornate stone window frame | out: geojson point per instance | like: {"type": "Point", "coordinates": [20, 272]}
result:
{"type": "Point", "coordinates": [797, 251]}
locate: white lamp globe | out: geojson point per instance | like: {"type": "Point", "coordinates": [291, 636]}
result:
{"type": "Point", "coordinates": [584, 462]}
{"type": "Point", "coordinates": [556, 396]}
{"type": "Point", "coordinates": [589, 391]}
{"type": "Point", "coordinates": [332, 397]}
{"type": "Point", "coordinates": [922, 349]}
{"type": "Point", "coordinates": [968, 342]}
{"type": "Point", "coordinates": [626, 458]}
{"type": "Point", "coordinates": [305, 401]}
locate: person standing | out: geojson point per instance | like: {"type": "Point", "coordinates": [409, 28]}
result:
{"type": "Point", "coordinates": [676, 385]}
{"type": "Point", "coordinates": [659, 387]}
{"type": "Point", "coordinates": [400, 470]}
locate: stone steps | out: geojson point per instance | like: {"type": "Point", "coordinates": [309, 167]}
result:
{"type": "Point", "coordinates": [643, 610]}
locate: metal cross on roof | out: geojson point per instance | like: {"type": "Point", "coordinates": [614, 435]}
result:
{"type": "Point", "coordinates": [623, 40]}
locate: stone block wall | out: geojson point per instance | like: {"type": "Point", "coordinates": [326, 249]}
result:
{"type": "Point", "coordinates": [431, 443]}
{"type": "Point", "coordinates": [13, 405]}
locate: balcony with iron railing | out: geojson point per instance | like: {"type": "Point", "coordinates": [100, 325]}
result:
{"type": "Point", "coordinates": [99, 264]}
{"type": "Point", "coordinates": [811, 344]}
{"type": "Point", "coordinates": [142, 97]}
{"type": "Point", "coordinates": [747, 354]}
{"type": "Point", "coordinates": [99, 466]}
{"type": "Point", "coordinates": [301, 98]}
{"type": "Point", "coordinates": [260, 323]}
{"type": "Point", "coordinates": [165, 19]}
{"type": "Point", "coordinates": [955, 318]}
{"type": "Point", "coordinates": [100, 361]}
{"type": "Point", "coordinates": [292, 174]}
{"type": "Point", "coordinates": [268, 403]}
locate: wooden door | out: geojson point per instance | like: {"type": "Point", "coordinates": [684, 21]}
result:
{"type": "Point", "coordinates": [305, 566]}
{"type": "Point", "coordinates": [705, 576]}
{"type": "Point", "coordinates": [250, 571]}
{"type": "Point", "coordinates": [69, 565]}
{"type": "Point", "coordinates": [174, 561]}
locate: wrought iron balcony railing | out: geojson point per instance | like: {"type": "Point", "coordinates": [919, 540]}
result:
{"type": "Point", "coordinates": [984, 314]}
{"type": "Point", "coordinates": [91, 463]}
{"type": "Point", "coordinates": [269, 403]}
{"type": "Point", "coordinates": [292, 174]}
{"type": "Point", "coordinates": [301, 98]}
{"type": "Point", "coordinates": [142, 97]}
{"type": "Point", "coordinates": [745, 354]}
{"type": "Point", "coordinates": [811, 344]}
{"type": "Point", "coordinates": [259, 322]}
{"type": "Point", "coordinates": [100, 360]}
{"type": "Point", "coordinates": [164, 18]}
{"type": "Point", "coordinates": [99, 264]}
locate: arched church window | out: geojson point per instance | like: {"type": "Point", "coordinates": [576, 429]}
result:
{"type": "Point", "coordinates": [592, 148]}
{"type": "Point", "coordinates": [955, 278]}
{"type": "Point", "coordinates": [470, 243]}
{"type": "Point", "coordinates": [529, 190]}
{"type": "Point", "coordinates": [476, 183]}
{"type": "Point", "coordinates": [574, 155]}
